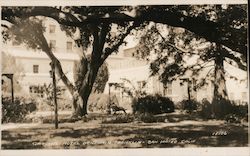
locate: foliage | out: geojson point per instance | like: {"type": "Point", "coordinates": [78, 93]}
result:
{"type": "Point", "coordinates": [153, 105]}
{"type": "Point", "coordinates": [24, 31]}
{"type": "Point", "coordinates": [239, 113]}
{"type": "Point", "coordinates": [17, 111]}
{"type": "Point", "coordinates": [231, 112]}
{"type": "Point", "coordinates": [131, 89]}
{"type": "Point", "coordinates": [190, 105]}
{"type": "Point", "coordinates": [226, 107]}
{"type": "Point", "coordinates": [179, 53]}
{"type": "Point", "coordinates": [206, 110]}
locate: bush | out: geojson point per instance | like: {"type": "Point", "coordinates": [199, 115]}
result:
{"type": "Point", "coordinates": [189, 105]}
{"type": "Point", "coordinates": [153, 105]}
{"type": "Point", "coordinates": [17, 111]}
{"type": "Point", "coordinates": [206, 110]}
{"type": "Point", "coordinates": [217, 110]}
{"type": "Point", "coordinates": [240, 110]}
{"type": "Point", "coordinates": [237, 114]}
{"type": "Point", "coordinates": [222, 108]}
{"type": "Point", "coordinates": [225, 109]}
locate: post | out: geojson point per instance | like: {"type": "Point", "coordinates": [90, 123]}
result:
{"type": "Point", "coordinates": [12, 89]}
{"type": "Point", "coordinates": [10, 76]}
{"type": "Point", "coordinates": [109, 112]}
{"type": "Point", "coordinates": [189, 90]}
{"type": "Point", "coordinates": [54, 93]}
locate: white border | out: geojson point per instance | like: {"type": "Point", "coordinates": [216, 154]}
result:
{"type": "Point", "coordinates": [237, 151]}
{"type": "Point", "coordinates": [228, 151]}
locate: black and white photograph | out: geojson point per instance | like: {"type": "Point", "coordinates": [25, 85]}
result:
{"type": "Point", "coordinates": [124, 76]}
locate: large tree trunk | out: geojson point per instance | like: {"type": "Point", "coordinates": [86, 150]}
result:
{"type": "Point", "coordinates": [220, 98]}
{"type": "Point", "coordinates": [85, 75]}
{"type": "Point", "coordinates": [80, 105]}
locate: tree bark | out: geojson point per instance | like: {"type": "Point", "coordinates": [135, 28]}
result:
{"type": "Point", "coordinates": [84, 80]}
{"type": "Point", "coordinates": [220, 98]}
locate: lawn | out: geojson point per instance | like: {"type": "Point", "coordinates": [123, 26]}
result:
{"type": "Point", "coordinates": [184, 131]}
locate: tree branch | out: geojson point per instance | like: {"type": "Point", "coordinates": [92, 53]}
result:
{"type": "Point", "coordinates": [212, 31]}
{"type": "Point", "coordinates": [237, 60]}
{"type": "Point", "coordinates": [45, 47]}
{"type": "Point", "coordinates": [108, 51]}
{"type": "Point", "coordinates": [182, 51]}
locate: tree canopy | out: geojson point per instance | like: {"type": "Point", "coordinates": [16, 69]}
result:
{"type": "Point", "coordinates": [228, 31]}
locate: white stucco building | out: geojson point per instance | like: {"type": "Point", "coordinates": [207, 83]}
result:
{"type": "Point", "coordinates": [138, 72]}
{"type": "Point", "coordinates": [35, 63]}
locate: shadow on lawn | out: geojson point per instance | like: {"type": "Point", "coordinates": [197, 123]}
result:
{"type": "Point", "coordinates": [148, 135]}
{"type": "Point", "coordinates": [20, 141]}
{"type": "Point", "coordinates": [186, 136]}
{"type": "Point", "coordinates": [200, 136]}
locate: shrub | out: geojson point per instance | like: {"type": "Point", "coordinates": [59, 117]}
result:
{"type": "Point", "coordinates": [222, 107]}
{"type": "Point", "coordinates": [190, 105]}
{"type": "Point", "coordinates": [240, 110]}
{"type": "Point", "coordinates": [206, 110]}
{"type": "Point", "coordinates": [218, 110]}
{"type": "Point", "coordinates": [238, 113]}
{"type": "Point", "coordinates": [228, 111]}
{"type": "Point", "coordinates": [232, 118]}
{"type": "Point", "coordinates": [17, 111]}
{"type": "Point", "coordinates": [153, 105]}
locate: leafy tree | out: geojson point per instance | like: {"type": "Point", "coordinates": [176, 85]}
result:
{"type": "Point", "coordinates": [95, 35]}
{"type": "Point", "coordinates": [96, 27]}
{"type": "Point", "coordinates": [175, 49]}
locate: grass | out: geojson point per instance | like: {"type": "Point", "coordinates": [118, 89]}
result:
{"type": "Point", "coordinates": [183, 131]}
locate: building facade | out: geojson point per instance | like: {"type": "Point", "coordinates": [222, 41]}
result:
{"type": "Point", "coordinates": [36, 64]}
{"type": "Point", "coordinates": [126, 66]}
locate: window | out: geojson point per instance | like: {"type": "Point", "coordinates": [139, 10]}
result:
{"type": "Point", "coordinates": [52, 29]}
{"type": "Point", "coordinates": [52, 44]}
{"type": "Point", "coordinates": [35, 68]}
{"type": "Point", "coordinates": [69, 46]}
{"type": "Point", "coordinates": [167, 88]}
